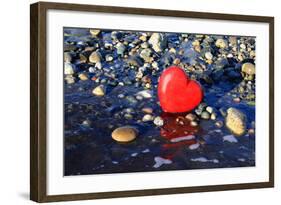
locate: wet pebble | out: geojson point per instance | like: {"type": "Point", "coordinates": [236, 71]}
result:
{"type": "Point", "coordinates": [69, 69]}
{"type": "Point", "coordinates": [213, 116]}
{"type": "Point", "coordinates": [235, 121]}
{"type": "Point", "coordinates": [205, 115]}
{"type": "Point", "coordinates": [249, 68]}
{"type": "Point", "coordinates": [94, 32]}
{"type": "Point", "coordinates": [209, 109]}
{"type": "Point", "coordinates": [83, 76]}
{"type": "Point", "coordinates": [190, 117]}
{"type": "Point", "coordinates": [99, 90]}
{"type": "Point", "coordinates": [124, 134]}
{"type": "Point", "coordinates": [95, 57]}
{"type": "Point", "coordinates": [158, 42]}
{"type": "Point", "coordinates": [145, 93]}
{"type": "Point", "coordinates": [147, 110]}
{"type": "Point", "coordinates": [208, 55]}
{"type": "Point", "coordinates": [108, 58]}
{"type": "Point", "coordinates": [221, 43]}
{"type": "Point", "coordinates": [120, 48]}
{"type": "Point", "coordinates": [147, 118]}
{"type": "Point", "coordinates": [158, 121]}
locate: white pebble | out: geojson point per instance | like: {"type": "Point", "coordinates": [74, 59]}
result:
{"type": "Point", "coordinates": [158, 121]}
{"type": "Point", "coordinates": [145, 94]}
{"type": "Point", "coordinates": [147, 118]}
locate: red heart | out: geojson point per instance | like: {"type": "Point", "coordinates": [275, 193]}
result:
{"type": "Point", "coordinates": [176, 92]}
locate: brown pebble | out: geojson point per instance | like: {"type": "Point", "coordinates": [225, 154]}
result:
{"type": "Point", "coordinates": [124, 134]}
{"type": "Point", "coordinates": [147, 110]}
{"type": "Point", "coordinates": [83, 76]}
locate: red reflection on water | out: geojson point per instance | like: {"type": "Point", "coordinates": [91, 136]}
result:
{"type": "Point", "coordinates": [176, 126]}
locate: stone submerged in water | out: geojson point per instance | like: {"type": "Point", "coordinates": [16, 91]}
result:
{"type": "Point", "coordinates": [99, 90]}
{"type": "Point", "coordinates": [235, 121]}
{"type": "Point", "coordinates": [124, 134]}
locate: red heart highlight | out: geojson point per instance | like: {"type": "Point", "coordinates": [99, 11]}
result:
{"type": "Point", "coordinates": [176, 92]}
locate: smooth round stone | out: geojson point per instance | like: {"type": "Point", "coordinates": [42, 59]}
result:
{"type": "Point", "coordinates": [158, 121]}
{"type": "Point", "coordinates": [108, 58]}
{"type": "Point", "coordinates": [213, 116]}
{"type": "Point", "coordinates": [147, 118]}
{"type": "Point", "coordinates": [176, 61]}
{"type": "Point", "coordinates": [69, 69]}
{"type": "Point", "coordinates": [249, 68]}
{"type": "Point", "coordinates": [205, 115]}
{"type": "Point", "coordinates": [208, 55]}
{"type": "Point", "coordinates": [209, 109]}
{"type": "Point", "coordinates": [243, 46]}
{"type": "Point", "coordinates": [190, 116]}
{"type": "Point", "coordinates": [94, 32]}
{"type": "Point", "coordinates": [83, 76]}
{"type": "Point", "coordinates": [95, 57]}
{"type": "Point", "coordinates": [221, 43]}
{"type": "Point", "coordinates": [99, 90]}
{"type": "Point", "coordinates": [147, 110]}
{"type": "Point", "coordinates": [124, 134]}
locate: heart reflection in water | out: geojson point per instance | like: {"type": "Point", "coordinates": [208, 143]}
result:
{"type": "Point", "coordinates": [178, 132]}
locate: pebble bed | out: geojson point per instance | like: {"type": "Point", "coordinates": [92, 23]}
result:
{"type": "Point", "coordinates": [110, 82]}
